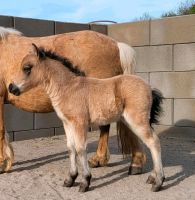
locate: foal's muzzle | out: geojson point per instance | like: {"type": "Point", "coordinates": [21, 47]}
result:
{"type": "Point", "coordinates": [14, 89]}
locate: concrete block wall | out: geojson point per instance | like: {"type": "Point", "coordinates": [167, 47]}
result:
{"type": "Point", "coordinates": [166, 59]}
{"type": "Point", "coordinates": [24, 125]}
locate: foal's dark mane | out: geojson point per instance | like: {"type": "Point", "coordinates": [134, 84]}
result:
{"type": "Point", "coordinates": [65, 61]}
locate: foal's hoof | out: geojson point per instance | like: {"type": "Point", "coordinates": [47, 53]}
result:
{"type": "Point", "coordinates": [156, 188]}
{"type": "Point", "coordinates": [151, 180]}
{"type": "Point", "coordinates": [156, 184]}
{"type": "Point", "coordinates": [134, 170]}
{"type": "Point", "coordinates": [83, 187]}
{"type": "Point", "coordinates": [69, 182]}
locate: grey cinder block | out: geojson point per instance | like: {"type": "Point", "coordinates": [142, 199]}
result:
{"type": "Point", "coordinates": [99, 28]}
{"type": "Point", "coordinates": [173, 30]}
{"type": "Point", "coordinates": [34, 27]}
{"type": "Point", "coordinates": [167, 115]}
{"type": "Point", "coordinates": [6, 21]}
{"type": "Point", "coordinates": [134, 34]}
{"type": "Point", "coordinates": [153, 58]}
{"type": "Point", "coordinates": [174, 84]}
{"type": "Point", "coordinates": [59, 131]}
{"type": "Point", "coordinates": [31, 134]}
{"type": "Point", "coordinates": [16, 119]}
{"type": "Point", "coordinates": [184, 57]}
{"type": "Point", "coordinates": [143, 75]}
{"type": "Point", "coordinates": [184, 112]}
{"type": "Point", "coordinates": [61, 27]}
{"type": "Point", "coordinates": [46, 120]}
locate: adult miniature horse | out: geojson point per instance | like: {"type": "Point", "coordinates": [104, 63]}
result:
{"type": "Point", "coordinates": [96, 54]}
{"type": "Point", "coordinates": [80, 102]}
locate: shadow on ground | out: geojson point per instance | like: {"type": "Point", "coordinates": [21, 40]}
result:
{"type": "Point", "coordinates": [176, 151]}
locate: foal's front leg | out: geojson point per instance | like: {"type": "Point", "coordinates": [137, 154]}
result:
{"type": "Point", "coordinates": [76, 142]}
{"type": "Point", "coordinates": [73, 171]}
{"type": "Point", "coordinates": [80, 145]}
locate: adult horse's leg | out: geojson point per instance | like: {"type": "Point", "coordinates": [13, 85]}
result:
{"type": "Point", "coordinates": [138, 158]}
{"type": "Point", "coordinates": [6, 152]}
{"type": "Point", "coordinates": [102, 155]}
{"type": "Point", "coordinates": [2, 131]}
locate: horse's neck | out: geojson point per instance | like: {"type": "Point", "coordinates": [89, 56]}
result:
{"type": "Point", "coordinates": [56, 78]}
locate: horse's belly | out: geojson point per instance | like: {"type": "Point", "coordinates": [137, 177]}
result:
{"type": "Point", "coordinates": [101, 121]}
{"type": "Point", "coordinates": [105, 116]}
{"type": "Point", "coordinates": [35, 100]}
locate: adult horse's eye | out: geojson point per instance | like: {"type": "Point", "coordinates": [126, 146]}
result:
{"type": "Point", "coordinates": [27, 69]}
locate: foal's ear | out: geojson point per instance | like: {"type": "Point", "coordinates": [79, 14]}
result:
{"type": "Point", "coordinates": [39, 52]}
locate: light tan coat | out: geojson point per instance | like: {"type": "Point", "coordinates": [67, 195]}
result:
{"type": "Point", "coordinates": [78, 102]}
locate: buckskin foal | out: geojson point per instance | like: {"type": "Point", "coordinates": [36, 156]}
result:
{"type": "Point", "coordinates": [80, 102]}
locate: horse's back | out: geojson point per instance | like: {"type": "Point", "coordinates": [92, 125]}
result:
{"type": "Point", "coordinates": [135, 91]}
{"type": "Point", "coordinates": [92, 52]}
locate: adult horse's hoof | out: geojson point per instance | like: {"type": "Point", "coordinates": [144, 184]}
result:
{"type": "Point", "coordinates": [7, 162]}
{"type": "Point", "coordinates": [97, 161]}
{"type": "Point", "coordinates": [6, 165]}
{"type": "Point", "coordinates": [134, 170]}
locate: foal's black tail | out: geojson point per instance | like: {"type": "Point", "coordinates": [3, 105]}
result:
{"type": "Point", "coordinates": [156, 108]}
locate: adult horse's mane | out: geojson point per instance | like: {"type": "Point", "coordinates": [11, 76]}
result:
{"type": "Point", "coordinates": [4, 32]}
{"type": "Point", "coordinates": [65, 61]}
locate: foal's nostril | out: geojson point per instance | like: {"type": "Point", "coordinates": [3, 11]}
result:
{"type": "Point", "coordinates": [14, 89]}
{"type": "Point", "coordinates": [10, 87]}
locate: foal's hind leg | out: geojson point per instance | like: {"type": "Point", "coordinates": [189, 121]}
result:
{"type": "Point", "coordinates": [102, 155]}
{"type": "Point", "coordinates": [131, 145]}
{"type": "Point", "coordinates": [139, 123]}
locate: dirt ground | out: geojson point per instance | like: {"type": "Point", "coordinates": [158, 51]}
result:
{"type": "Point", "coordinates": [41, 165]}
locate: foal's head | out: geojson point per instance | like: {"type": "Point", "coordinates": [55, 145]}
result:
{"type": "Point", "coordinates": [28, 75]}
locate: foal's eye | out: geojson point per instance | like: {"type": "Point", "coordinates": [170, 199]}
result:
{"type": "Point", "coordinates": [27, 69]}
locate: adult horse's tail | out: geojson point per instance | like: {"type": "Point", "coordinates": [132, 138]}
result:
{"type": "Point", "coordinates": [127, 58]}
{"type": "Point", "coordinates": [128, 142]}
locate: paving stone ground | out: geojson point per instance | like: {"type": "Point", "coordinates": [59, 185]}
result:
{"type": "Point", "coordinates": [41, 165]}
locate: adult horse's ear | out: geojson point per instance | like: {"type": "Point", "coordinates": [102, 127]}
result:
{"type": "Point", "coordinates": [39, 52]}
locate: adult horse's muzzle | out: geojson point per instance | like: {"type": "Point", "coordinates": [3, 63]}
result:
{"type": "Point", "coordinates": [14, 89]}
